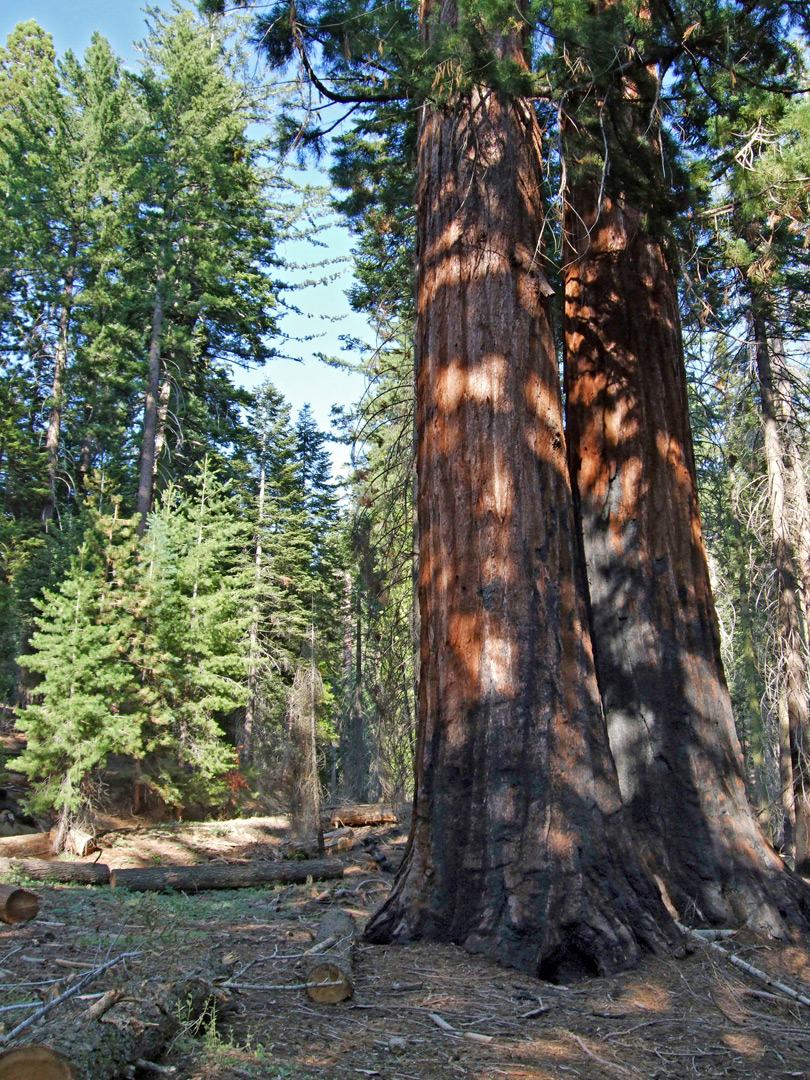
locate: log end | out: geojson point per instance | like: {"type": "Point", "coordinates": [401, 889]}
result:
{"type": "Point", "coordinates": [17, 905]}
{"type": "Point", "coordinates": [327, 984]}
{"type": "Point", "coordinates": [35, 1063]}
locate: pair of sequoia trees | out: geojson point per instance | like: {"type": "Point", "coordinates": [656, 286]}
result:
{"type": "Point", "coordinates": [577, 760]}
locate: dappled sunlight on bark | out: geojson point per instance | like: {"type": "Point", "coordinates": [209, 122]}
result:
{"type": "Point", "coordinates": [656, 638]}
{"type": "Point", "coordinates": [518, 848]}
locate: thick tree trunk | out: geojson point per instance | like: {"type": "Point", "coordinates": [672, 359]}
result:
{"type": "Point", "coordinates": [58, 391]}
{"type": "Point", "coordinates": [518, 847]}
{"type": "Point", "coordinates": [795, 706]}
{"type": "Point", "coordinates": [655, 631]}
{"type": "Point", "coordinates": [150, 412]}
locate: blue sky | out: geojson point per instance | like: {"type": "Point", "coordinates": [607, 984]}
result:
{"type": "Point", "coordinates": [122, 22]}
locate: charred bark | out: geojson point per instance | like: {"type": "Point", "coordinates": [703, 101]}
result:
{"type": "Point", "coordinates": [654, 625]}
{"type": "Point", "coordinates": [518, 847]}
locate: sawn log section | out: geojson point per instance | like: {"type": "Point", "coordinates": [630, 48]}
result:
{"type": "Point", "coordinates": [329, 971]}
{"type": "Point", "coordinates": [17, 905]}
{"type": "Point", "coordinates": [224, 875]}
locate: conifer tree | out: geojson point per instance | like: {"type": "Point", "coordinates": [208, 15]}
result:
{"type": "Point", "coordinates": [88, 651]}
{"type": "Point", "coordinates": [198, 584]}
{"type": "Point", "coordinates": [282, 554]}
{"type": "Point", "coordinates": [203, 233]}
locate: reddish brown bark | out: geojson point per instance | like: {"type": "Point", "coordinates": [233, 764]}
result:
{"type": "Point", "coordinates": [654, 626]}
{"type": "Point", "coordinates": [518, 847]}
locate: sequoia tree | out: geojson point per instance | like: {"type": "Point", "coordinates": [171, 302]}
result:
{"type": "Point", "coordinates": [518, 848]}
{"type": "Point", "coordinates": [655, 631]}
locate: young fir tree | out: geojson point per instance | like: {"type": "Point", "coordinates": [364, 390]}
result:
{"type": "Point", "coordinates": [88, 650]}
{"type": "Point", "coordinates": [197, 577]}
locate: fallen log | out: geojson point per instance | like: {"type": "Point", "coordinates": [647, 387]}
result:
{"type": "Point", "coordinates": [334, 842]}
{"type": "Point", "coordinates": [224, 875]}
{"type": "Point", "coordinates": [35, 1063]}
{"type": "Point", "coordinates": [362, 814]}
{"type": "Point", "coordinates": [37, 843]}
{"type": "Point", "coordinates": [17, 905]}
{"type": "Point", "coordinates": [46, 870]}
{"type": "Point", "coordinates": [329, 969]}
{"type": "Point", "coordinates": [137, 1027]}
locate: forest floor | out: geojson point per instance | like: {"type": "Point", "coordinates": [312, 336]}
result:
{"type": "Point", "coordinates": [419, 1012]}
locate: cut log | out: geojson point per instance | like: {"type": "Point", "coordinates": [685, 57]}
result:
{"type": "Point", "coordinates": [81, 843]}
{"type": "Point", "coordinates": [329, 974]}
{"type": "Point", "coordinates": [45, 870]}
{"type": "Point", "coordinates": [38, 843]}
{"type": "Point", "coordinates": [17, 905]}
{"type": "Point", "coordinates": [35, 1063]}
{"type": "Point", "coordinates": [224, 875]}
{"type": "Point", "coordinates": [363, 814]}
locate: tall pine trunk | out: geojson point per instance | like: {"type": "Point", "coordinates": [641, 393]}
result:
{"type": "Point", "coordinates": [58, 391]}
{"type": "Point", "coordinates": [794, 704]}
{"type": "Point", "coordinates": [150, 410]}
{"type": "Point", "coordinates": [518, 847]}
{"type": "Point", "coordinates": [654, 624]}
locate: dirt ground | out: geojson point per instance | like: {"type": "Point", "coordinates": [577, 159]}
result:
{"type": "Point", "coordinates": [419, 1012]}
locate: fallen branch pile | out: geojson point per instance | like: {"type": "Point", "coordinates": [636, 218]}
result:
{"type": "Point", "coordinates": [131, 1021]}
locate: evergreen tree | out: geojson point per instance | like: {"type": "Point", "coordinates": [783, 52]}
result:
{"type": "Point", "coordinates": [202, 239]}
{"type": "Point", "coordinates": [88, 652]}
{"type": "Point", "coordinates": [198, 583]}
{"type": "Point", "coordinates": [282, 550]}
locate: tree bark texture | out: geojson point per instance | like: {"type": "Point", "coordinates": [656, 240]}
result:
{"type": "Point", "coordinates": [55, 870]}
{"type": "Point", "coordinates": [655, 631]}
{"type": "Point", "coordinates": [150, 411]}
{"type": "Point", "coordinates": [795, 708]}
{"type": "Point", "coordinates": [518, 847]}
{"type": "Point", "coordinates": [224, 875]}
